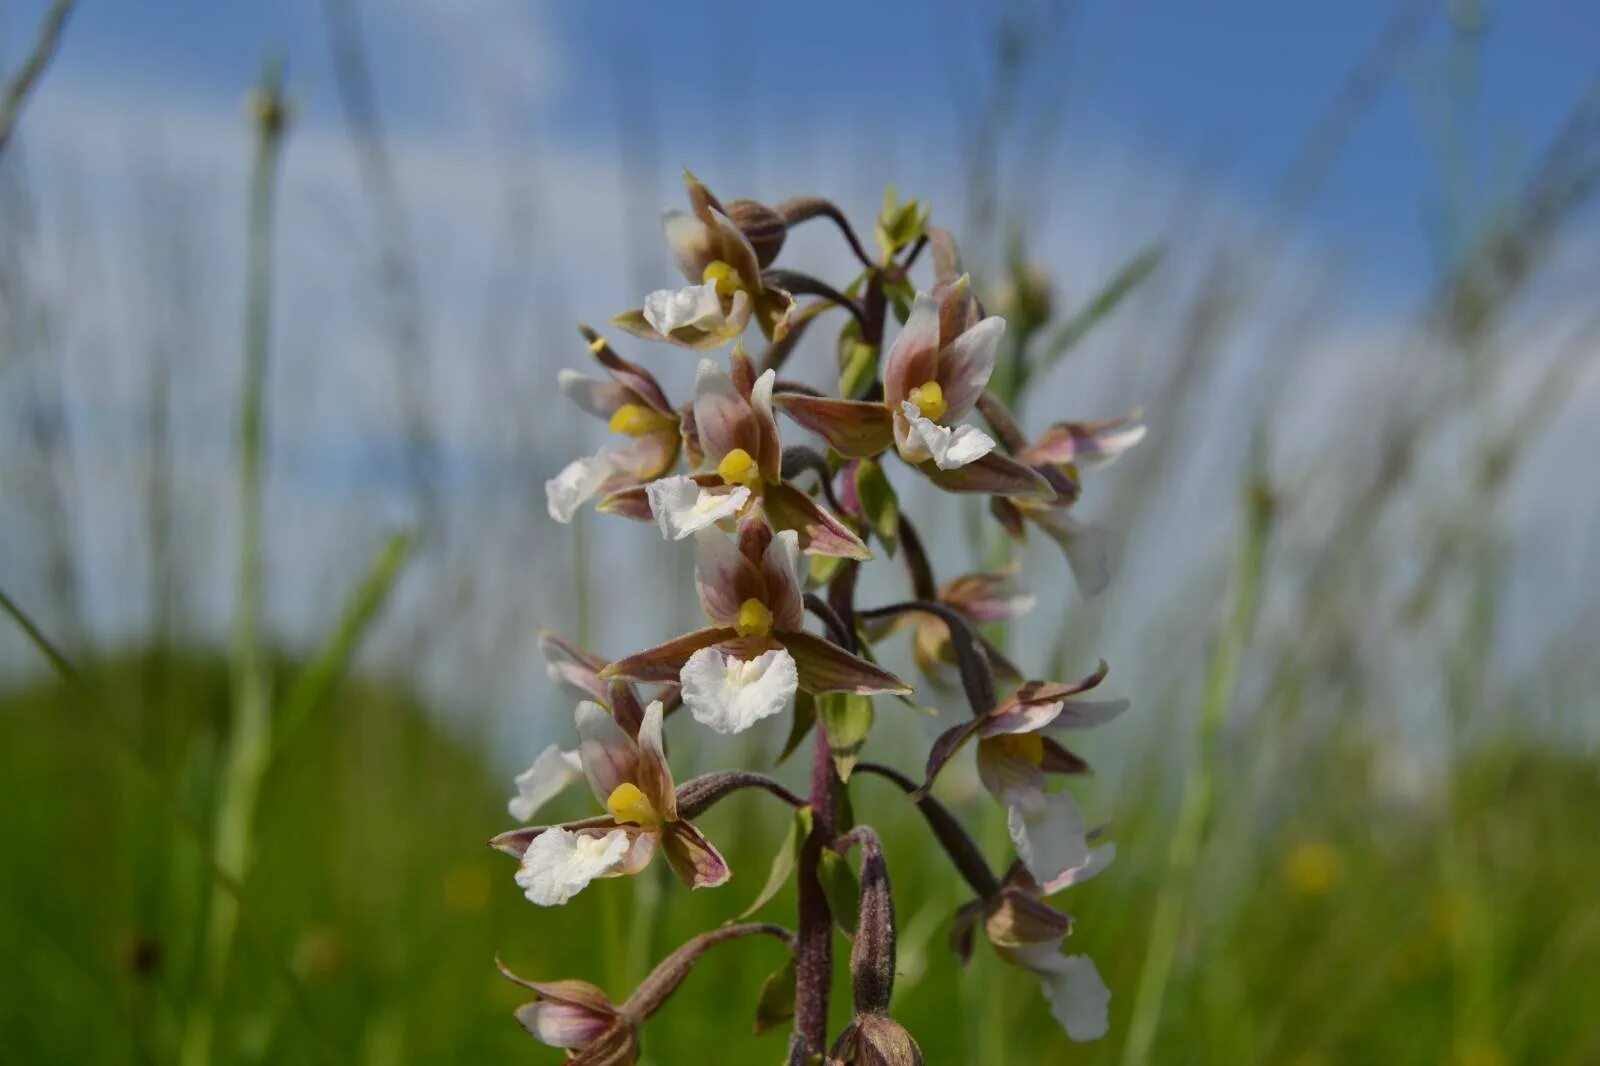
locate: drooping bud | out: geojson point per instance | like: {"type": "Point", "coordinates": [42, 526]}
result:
{"type": "Point", "coordinates": [872, 956]}
{"type": "Point", "coordinates": [577, 1016]}
{"type": "Point", "coordinates": [763, 227]}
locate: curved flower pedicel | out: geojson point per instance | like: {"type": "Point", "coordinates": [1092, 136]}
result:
{"type": "Point", "coordinates": [737, 437]}
{"type": "Point", "coordinates": [725, 287]}
{"type": "Point", "coordinates": [982, 598]}
{"type": "Point", "coordinates": [633, 404]}
{"type": "Point", "coordinates": [1017, 753]}
{"type": "Point", "coordinates": [1028, 933]}
{"type": "Point", "coordinates": [748, 663]}
{"type": "Point", "coordinates": [933, 375]}
{"type": "Point", "coordinates": [631, 779]}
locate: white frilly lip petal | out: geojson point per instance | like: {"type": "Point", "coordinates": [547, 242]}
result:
{"type": "Point", "coordinates": [682, 508]}
{"type": "Point", "coordinates": [729, 694]}
{"type": "Point", "coordinates": [695, 306]}
{"type": "Point", "coordinates": [560, 863]}
{"type": "Point", "coordinates": [951, 448]}
{"type": "Point", "coordinates": [540, 783]}
{"type": "Point", "coordinates": [578, 482]}
{"type": "Point", "coordinates": [1048, 831]}
{"type": "Point", "coordinates": [1079, 999]}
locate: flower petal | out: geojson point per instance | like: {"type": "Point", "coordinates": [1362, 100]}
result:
{"type": "Point", "coordinates": [578, 482]}
{"type": "Point", "coordinates": [770, 446]}
{"type": "Point", "coordinates": [723, 576]}
{"type": "Point", "coordinates": [992, 474]}
{"type": "Point", "coordinates": [780, 566]}
{"type": "Point", "coordinates": [1099, 858]}
{"type": "Point", "coordinates": [608, 755]}
{"type": "Point", "coordinates": [965, 366]}
{"type": "Point", "coordinates": [913, 358]}
{"type": "Point", "coordinates": [826, 667]}
{"type": "Point", "coordinates": [853, 428]}
{"type": "Point", "coordinates": [681, 506]}
{"type": "Point", "coordinates": [598, 398]}
{"type": "Point", "coordinates": [821, 533]}
{"type": "Point", "coordinates": [723, 418]}
{"type": "Point", "coordinates": [573, 667]}
{"type": "Point", "coordinates": [1047, 829]}
{"type": "Point", "coordinates": [564, 1025]}
{"type": "Point", "coordinates": [1010, 778]}
{"type": "Point", "coordinates": [559, 864]}
{"type": "Point", "coordinates": [730, 694]}
{"type": "Point", "coordinates": [692, 857]}
{"type": "Point", "coordinates": [549, 775]}
{"type": "Point", "coordinates": [1087, 443]}
{"type": "Point", "coordinates": [655, 776]}
{"type": "Point", "coordinates": [1079, 999]}
{"type": "Point", "coordinates": [661, 663]}
{"type": "Point", "coordinates": [692, 242]}
{"type": "Point", "coordinates": [1087, 547]}
{"type": "Point", "coordinates": [950, 448]}
{"type": "Point", "coordinates": [631, 376]}
{"type": "Point", "coordinates": [696, 307]}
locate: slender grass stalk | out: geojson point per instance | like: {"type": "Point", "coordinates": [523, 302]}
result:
{"type": "Point", "coordinates": [249, 741]}
{"type": "Point", "coordinates": [53, 655]}
{"type": "Point", "coordinates": [33, 68]}
{"type": "Point", "coordinates": [332, 661]}
{"type": "Point", "coordinates": [1188, 838]}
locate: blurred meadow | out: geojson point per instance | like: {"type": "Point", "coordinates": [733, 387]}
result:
{"type": "Point", "coordinates": [1344, 257]}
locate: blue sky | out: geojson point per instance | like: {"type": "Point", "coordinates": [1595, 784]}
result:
{"type": "Point", "coordinates": [1228, 88]}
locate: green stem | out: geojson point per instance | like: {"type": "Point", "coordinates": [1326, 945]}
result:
{"type": "Point", "coordinates": [1188, 838]}
{"type": "Point", "coordinates": [249, 741]}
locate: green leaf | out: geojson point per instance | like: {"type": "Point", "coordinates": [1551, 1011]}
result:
{"type": "Point", "coordinates": [776, 1004]}
{"type": "Point", "coordinates": [820, 569]}
{"type": "Point", "coordinates": [783, 863]}
{"type": "Point", "coordinates": [842, 890]}
{"type": "Point", "coordinates": [859, 368]}
{"type": "Point", "coordinates": [879, 503]}
{"type": "Point", "coordinates": [1132, 274]}
{"type": "Point", "coordinates": [805, 716]}
{"type": "Point", "coordinates": [847, 718]}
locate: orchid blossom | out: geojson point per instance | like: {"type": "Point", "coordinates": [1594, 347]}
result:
{"type": "Point", "coordinates": [1028, 933]}
{"type": "Point", "coordinates": [631, 779]}
{"type": "Point", "coordinates": [1017, 753]}
{"type": "Point", "coordinates": [725, 287]}
{"type": "Point", "coordinates": [632, 404]}
{"type": "Point", "coordinates": [737, 439]}
{"type": "Point", "coordinates": [748, 663]}
{"type": "Point", "coordinates": [932, 378]}
{"type": "Point", "coordinates": [1060, 454]}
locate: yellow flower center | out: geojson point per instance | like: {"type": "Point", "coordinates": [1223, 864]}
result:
{"type": "Point", "coordinates": [628, 804]}
{"type": "Point", "coordinates": [754, 619]}
{"type": "Point", "coordinates": [1026, 746]}
{"type": "Point", "coordinates": [929, 398]}
{"type": "Point", "coordinates": [636, 420]}
{"type": "Point", "coordinates": [738, 468]}
{"type": "Point", "coordinates": [727, 278]}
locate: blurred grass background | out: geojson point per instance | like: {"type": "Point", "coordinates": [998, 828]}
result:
{"type": "Point", "coordinates": [1354, 801]}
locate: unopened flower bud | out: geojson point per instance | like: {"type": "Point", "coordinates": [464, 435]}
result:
{"type": "Point", "coordinates": [763, 227]}
{"type": "Point", "coordinates": [875, 1040]}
